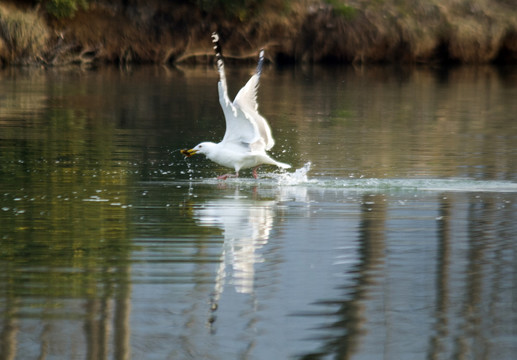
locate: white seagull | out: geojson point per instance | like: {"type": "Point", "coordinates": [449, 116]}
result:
{"type": "Point", "coordinates": [248, 135]}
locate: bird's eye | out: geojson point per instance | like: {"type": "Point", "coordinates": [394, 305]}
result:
{"type": "Point", "coordinates": [200, 146]}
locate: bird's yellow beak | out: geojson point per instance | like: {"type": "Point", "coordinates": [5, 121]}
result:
{"type": "Point", "coordinates": [188, 153]}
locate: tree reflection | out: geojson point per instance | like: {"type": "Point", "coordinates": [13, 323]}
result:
{"type": "Point", "coordinates": [432, 272]}
{"type": "Point", "coordinates": [65, 239]}
{"type": "Point", "coordinates": [473, 267]}
{"type": "Point", "coordinates": [351, 313]}
{"type": "Point", "coordinates": [478, 300]}
{"type": "Point", "coordinates": [436, 345]}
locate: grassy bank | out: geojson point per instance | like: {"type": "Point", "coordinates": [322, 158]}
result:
{"type": "Point", "coordinates": [365, 31]}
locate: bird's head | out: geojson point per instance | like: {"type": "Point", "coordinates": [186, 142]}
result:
{"type": "Point", "coordinates": [203, 148]}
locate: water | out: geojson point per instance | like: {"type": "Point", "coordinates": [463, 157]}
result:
{"type": "Point", "coordinates": [393, 236]}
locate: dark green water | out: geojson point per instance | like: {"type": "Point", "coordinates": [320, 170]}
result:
{"type": "Point", "coordinates": [393, 236]}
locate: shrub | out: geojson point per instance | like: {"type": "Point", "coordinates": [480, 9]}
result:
{"type": "Point", "coordinates": [341, 9]}
{"type": "Point", "coordinates": [65, 8]}
{"type": "Point", "coordinates": [238, 9]}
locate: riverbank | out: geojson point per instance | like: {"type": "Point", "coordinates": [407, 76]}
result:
{"type": "Point", "coordinates": [355, 31]}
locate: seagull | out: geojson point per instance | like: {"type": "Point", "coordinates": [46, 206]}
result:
{"type": "Point", "coordinates": [248, 135]}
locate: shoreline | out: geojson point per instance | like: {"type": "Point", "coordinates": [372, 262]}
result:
{"type": "Point", "coordinates": [154, 32]}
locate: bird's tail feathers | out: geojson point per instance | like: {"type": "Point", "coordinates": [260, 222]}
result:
{"type": "Point", "coordinates": [282, 165]}
{"type": "Point", "coordinates": [268, 160]}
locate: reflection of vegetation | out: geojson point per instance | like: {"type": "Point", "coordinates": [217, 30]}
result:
{"type": "Point", "coordinates": [64, 228]}
{"type": "Point", "coordinates": [383, 122]}
{"type": "Point", "coordinates": [66, 234]}
{"type": "Point", "coordinates": [72, 197]}
{"type": "Point", "coordinates": [347, 324]}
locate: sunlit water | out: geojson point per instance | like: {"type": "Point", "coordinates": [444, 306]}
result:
{"type": "Point", "coordinates": [393, 236]}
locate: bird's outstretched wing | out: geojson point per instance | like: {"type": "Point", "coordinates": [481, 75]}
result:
{"type": "Point", "coordinates": [246, 101]}
{"type": "Point", "coordinates": [247, 96]}
{"type": "Point", "coordinates": [244, 125]}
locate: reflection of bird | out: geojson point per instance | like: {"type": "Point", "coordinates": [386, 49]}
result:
{"type": "Point", "coordinates": [246, 226]}
{"type": "Point", "coordinates": [248, 135]}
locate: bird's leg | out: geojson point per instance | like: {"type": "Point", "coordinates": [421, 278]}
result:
{"type": "Point", "coordinates": [226, 176]}
{"type": "Point", "coordinates": [255, 175]}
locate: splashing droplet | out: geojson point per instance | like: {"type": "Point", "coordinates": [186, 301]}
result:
{"type": "Point", "coordinates": [295, 178]}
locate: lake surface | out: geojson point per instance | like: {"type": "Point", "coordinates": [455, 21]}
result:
{"type": "Point", "coordinates": [392, 237]}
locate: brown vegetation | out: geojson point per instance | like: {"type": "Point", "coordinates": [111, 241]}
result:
{"type": "Point", "coordinates": [414, 31]}
{"type": "Point", "coordinates": [22, 35]}
{"type": "Point", "coordinates": [409, 31]}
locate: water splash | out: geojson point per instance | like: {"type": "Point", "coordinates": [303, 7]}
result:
{"type": "Point", "coordinates": [295, 178]}
{"type": "Point", "coordinates": [300, 178]}
{"type": "Point", "coordinates": [190, 171]}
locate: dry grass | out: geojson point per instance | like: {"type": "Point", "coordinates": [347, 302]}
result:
{"type": "Point", "coordinates": [409, 31]}
{"type": "Point", "coordinates": [23, 35]}
{"type": "Point", "coordinates": [466, 31]}
{"type": "Point", "coordinates": [121, 38]}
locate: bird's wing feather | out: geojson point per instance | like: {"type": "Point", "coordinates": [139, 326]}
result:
{"type": "Point", "coordinates": [239, 128]}
{"type": "Point", "coordinates": [244, 125]}
{"type": "Point", "coordinates": [246, 101]}
{"type": "Point", "coordinates": [247, 96]}
{"type": "Point", "coordinates": [224, 99]}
